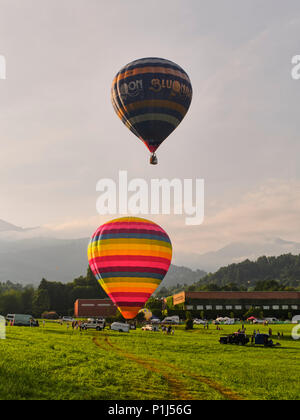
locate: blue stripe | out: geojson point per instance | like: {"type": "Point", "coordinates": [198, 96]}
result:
{"type": "Point", "coordinates": [104, 236]}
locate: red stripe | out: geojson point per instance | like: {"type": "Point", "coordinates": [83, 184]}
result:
{"type": "Point", "coordinates": [117, 295]}
{"type": "Point", "coordinates": [130, 230]}
{"type": "Point", "coordinates": [133, 225]}
{"type": "Point", "coordinates": [130, 258]}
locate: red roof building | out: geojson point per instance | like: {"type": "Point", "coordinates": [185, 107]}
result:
{"type": "Point", "coordinates": [84, 308]}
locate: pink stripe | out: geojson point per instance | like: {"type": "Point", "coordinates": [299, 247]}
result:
{"type": "Point", "coordinates": [117, 263]}
{"type": "Point", "coordinates": [130, 299]}
{"type": "Point", "coordinates": [133, 226]}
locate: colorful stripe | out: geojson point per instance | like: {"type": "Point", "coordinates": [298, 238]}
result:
{"type": "Point", "coordinates": [151, 96]}
{"type": "Point", "coordinates": [130, 257]}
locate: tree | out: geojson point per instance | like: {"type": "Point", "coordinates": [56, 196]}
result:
{"type": "Point", "coordinates": [41, 302]}
{"type": "Point", "coordinates": [256, 312]}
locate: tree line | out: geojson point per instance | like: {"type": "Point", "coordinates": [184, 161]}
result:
{"type": "Point", "coordinates": [284, 270]}
{"type": "Point", "coordinates": [49, 296]}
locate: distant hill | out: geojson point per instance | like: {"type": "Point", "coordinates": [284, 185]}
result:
{"type": "Point", "coordinates": [181, 275]}
{"type": "Point", "coordinates": [285, 269]}
{"type": "Point", "coordinates": [27, 256]}
{"type": "Point", "coordinates": [236, 252]}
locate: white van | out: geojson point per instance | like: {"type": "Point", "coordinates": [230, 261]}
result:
{"type": "Point", "coordinates": [21, 320]}
{"type": "Point", "coordinates": [229, 321]}
{"type": "Point", "coordinates": [67, 319]}
{"type": "Point", "coordinates": [171, 320]}
{"type": "Point", "coordinates": [120, 326]}
{"type": "Point", "coordinates": [272, 320]}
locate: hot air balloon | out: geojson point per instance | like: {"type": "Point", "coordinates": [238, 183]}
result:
{"type": "Point", "coordinates": [151, 96]}
{"type": "Point", "coordinates": [147, 313]}
{"type": "Point", "coordinates": [130, 257]}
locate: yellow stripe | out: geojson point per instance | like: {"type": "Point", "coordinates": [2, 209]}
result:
{"type": "Point", "coordinates": [155, 117]}
{"type": "Point", "coordinates": [153, 252]}
{"type": "Point", "coordinates": [131, 285]}
{"type": "Point", "coordinates": [153, 103]}
{"type": "Point", "coordinates": [149, 69]}
{"type": "Point", "coordinates": [127, 241]}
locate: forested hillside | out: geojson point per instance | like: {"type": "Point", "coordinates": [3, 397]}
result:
{"type": "Point", "coordinates": [284, 270]}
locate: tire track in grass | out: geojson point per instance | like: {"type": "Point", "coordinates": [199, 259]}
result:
{"type": "Point", "coordinates": [177, 387]}
{"type": "Point", "coordinates": [225, 392]}
{"type": "Point", "coordinates": [174, 382]}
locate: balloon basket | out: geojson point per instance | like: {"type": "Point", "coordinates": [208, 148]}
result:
{"type": "Point", "coordinates": [153, 159]}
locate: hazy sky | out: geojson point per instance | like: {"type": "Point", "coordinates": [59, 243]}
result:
{"type": "Point", "coordinates": [59, 134]}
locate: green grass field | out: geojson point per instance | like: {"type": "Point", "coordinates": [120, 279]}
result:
{"type": "Point", "coordinates": [56, 363]}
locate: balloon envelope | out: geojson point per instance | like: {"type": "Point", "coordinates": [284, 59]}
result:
{"type": "Point", "coordinates": [147, 313]}
{"type": "Point", "coordinates": [130, 257]}
{"type": "Point", "coordinates": [151, 96]}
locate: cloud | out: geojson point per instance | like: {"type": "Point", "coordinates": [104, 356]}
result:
{"type": "Point", "coordinates": [269, 211]}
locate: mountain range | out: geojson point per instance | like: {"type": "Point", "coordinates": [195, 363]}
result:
{"type": "Point", "coordinates": [28, 255]}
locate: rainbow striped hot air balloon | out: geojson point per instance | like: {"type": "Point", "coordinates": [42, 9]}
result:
{"type": "Point", "coordinates": [151, 96]}
{"type": "Point", "coordinates": [130, 257]}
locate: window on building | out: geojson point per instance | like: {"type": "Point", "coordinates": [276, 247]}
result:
{"type": "Point", "coordinates": [294, 307]}
{"type": "Point", "coordinates": [275, 307]}
{"type": "Point", "coordinates": [200, 307]}
{"type": "Point", "coordinates": [238, 307]}
{"type": "Point", "coordinates": [209, 307]}
{"type": "Point", "coordinates": [228, 307]}
{"type": "Point", "coordinates": [219, 307]}
{"type": "Point", "coordinates": [266, 308]}
{"type": "Point", "coordinates": [285, 306]}
{"type": "Point", "coordinates": [189, 307]}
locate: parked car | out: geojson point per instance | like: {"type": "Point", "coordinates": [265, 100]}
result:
{"type": "Point", "coordinates": [150, 327]}
{"type": "Point", "coordinates": [229, 322]}
{"type": "Point", "coordinates": [272, 320]}
{"type": "Point", "coordinates": [171, 320]}
{"type": "Point", "coordinates": [120, 326]}
{"type": "Point", "coordinates": [265, 340]}
{"type": "Point", "coordinates": [97, 325]}
{"type": "Point", "coordinates": [155, 320]}
{"type": "Point", "coordinates": [259, 321]}
{"type": "Point", "coordinates": [237, 338]}
{"type": "Point", "coordinates": [20, 320]}
{"type": "Point", "coordinates": [67, 319]}
{"type": "Point", "coordinates": [199, 321]}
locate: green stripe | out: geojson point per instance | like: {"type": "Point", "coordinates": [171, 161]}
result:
{"type": "Point", "coordinates": [155, 117]}
{"type": "Point", "coordinates": [110, 242]}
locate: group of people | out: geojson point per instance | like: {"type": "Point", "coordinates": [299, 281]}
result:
{"type": "Point", "coordinates": [167, 330]}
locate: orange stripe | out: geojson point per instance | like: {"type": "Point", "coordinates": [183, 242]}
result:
{"type": "Point", "coordinates": [155, 103]}
{"type": "Point", "coordinates": [112, 252]}
{"type": "Point", "coordinates": [143, 70]}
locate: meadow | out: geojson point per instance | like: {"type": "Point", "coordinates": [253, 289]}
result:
{"type": "Point", "coordinates": [54, 362]}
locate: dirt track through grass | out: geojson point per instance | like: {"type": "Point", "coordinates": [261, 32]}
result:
{"type": "Point", "coordinates": [177, 387]}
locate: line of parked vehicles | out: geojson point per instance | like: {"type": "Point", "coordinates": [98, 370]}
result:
{"type": "Point", "coordinates": [97, 324]}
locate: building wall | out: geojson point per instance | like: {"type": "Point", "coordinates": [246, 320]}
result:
{"type": "Point", "coordinates": [224, 302]}
{"type": "Point", "coordinates": [94, 307]}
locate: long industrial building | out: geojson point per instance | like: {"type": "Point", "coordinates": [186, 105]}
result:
{"type": "Point", "coordinates": [224, 302]}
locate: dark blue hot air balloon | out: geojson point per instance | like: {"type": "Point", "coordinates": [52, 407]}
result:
{"type": "Point", "coordinates": [151, 96]}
